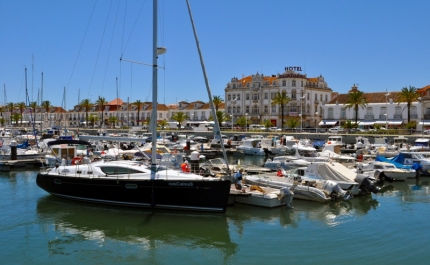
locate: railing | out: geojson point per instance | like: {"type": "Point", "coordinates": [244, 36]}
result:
{"type": "Point", "coordinates": [397, 116]}
{"type": "Point", "coordinates": [369, 117]}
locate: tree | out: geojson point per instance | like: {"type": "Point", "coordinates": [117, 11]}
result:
{"type": "Point", "coordinates": [86, 104]}
{"type": "Point", "coordinates": [16, 117]}
{"type": "Point", "coordinates": [33, 106]}
{"type": "Point", "coordinates": [355, 100]}
{"type": "Point", "coordinates": [408, 95]}
{"type": "Point", "coordinates": [10, 106]}
{"type": "Point", "coordinates": [242, 121]}
{"type": "Point", "coordinates": [46, 105]}
{"type": "Point", "coordinates": [292, 122]}
{"type": "Point", "coordinates": [21, 106]}
{"type": "Point", "coordinates": [221, 117]}
{"type": "Point", "coordinates": [179, 117]}
{"type": "Point", "coordinates": [93, 118]}
{"type": "Point", "coordinates": [281, 99]}
{"type": "Point", "coordinates": [101, 101]}
{"type": "Point", "coordinates": [163, 124]}
{"type": "Point", "coordinates": [349, 125]}
{"type": "Point", "coordinates": [138, 104]}
{"type": "Point", "coordinates": [112, 120]}
{"type": "Point", "coordinates": [267, 123]}
{"type": "Point", "coordinates": [217, 102]}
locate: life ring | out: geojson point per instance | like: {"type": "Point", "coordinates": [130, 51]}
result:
{"type": "Point", "coordinates": [328, 142]}
{"type": "Point", "coordinates": [76, 160]}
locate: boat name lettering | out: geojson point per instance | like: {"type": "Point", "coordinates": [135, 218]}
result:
{"type": "Point", "coordinates": [176, 184]}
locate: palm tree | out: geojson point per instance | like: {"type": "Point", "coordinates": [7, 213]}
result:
{"type": "Point", "coordinates": [355, 100]}
{"type": "Point", "coordinates": [217, 102]}
{"type": "Point", "coordinates": [10, 106]}
{"type": "Point", "coordinates": [267, 123]}
{"type": "Point", "coordinates": [46, 105]}
{"type": "Point", "coordinates": [349, 125]}
{"type": "Point", "coordinates": [21, 106]}
{"type": "Point", "coordinates": [33, 106]}
{"type": "Point", "coordinates": [138, 104]}
{"type": "Point", "coordinates": [163, 124]}
{"type": "Point", "coordinates": [281, 99]}
{"type": "Point", "coordinates": [179, 117]}
{"type": "Point", "coordinates": [16, 117]}
{"type": "Point", "coordinates": [86, 104]}
{"type": "Point", "coordinates": [101, 101]}
{"type": "Point", "coordinates": [221, 117]}
{"type": "Point", "coordinates": [93, 119]}
{"type": "Point", "coordinates": [112, 120]}
{"type": "Point", "coordinates": [292, 122]}
{"type": "Point", "coordinates": [408, 95]}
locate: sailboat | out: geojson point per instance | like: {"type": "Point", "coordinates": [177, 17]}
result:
{"type": "Point", "coordinates": [132, 183]}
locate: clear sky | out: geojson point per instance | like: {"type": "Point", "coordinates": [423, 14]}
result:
{"type": "Point", "coordinates": [78, 44]}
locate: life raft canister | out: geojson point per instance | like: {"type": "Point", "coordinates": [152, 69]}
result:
{"type": "Point", "coordinates": [76, 160]}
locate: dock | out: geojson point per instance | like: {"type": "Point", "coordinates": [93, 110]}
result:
{"type": "Point", "coordinates": [8, 165]}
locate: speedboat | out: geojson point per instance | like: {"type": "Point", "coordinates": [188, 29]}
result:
{"type": "Point", "coordinates": [321, 191]}
{"type": "Point", "coordinates": [388, 169]}
{"type": "Point", "coordinates": [408, 160]}
{"type": "Point", "coordinates": [261, 196]}
{"type": "Point", "coordinates": [252, 146]}
{"type": "Point", "coordinates": [357, 184]}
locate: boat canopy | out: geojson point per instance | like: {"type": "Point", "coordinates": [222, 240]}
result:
{"type": "Point", "coordinates": [327, 122]}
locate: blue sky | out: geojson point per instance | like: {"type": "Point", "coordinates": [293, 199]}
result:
{"type": "Point", "coordinates": [78, 45]}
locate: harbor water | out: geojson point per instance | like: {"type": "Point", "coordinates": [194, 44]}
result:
{"type": "Point", "coordinates": [391, 227]}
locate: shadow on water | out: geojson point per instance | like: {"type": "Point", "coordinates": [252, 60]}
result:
{"type": "Point", "coordinates": [327, 213]}
{"type": "Point", "coordinates": [101, 223]}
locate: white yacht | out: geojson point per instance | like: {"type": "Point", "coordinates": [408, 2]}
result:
{"type": "Point", "coordinates": [251, 146]}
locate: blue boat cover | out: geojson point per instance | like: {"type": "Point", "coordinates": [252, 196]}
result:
{"type": "Point", "coordinates": [397, 160]}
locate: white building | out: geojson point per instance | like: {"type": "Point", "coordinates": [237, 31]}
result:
{"type": "Point", "coordinates": [381, 108]}
{"type": "Point", "coordinates": [252, 96]}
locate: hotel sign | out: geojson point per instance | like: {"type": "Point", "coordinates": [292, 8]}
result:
{"type": "Point", "coordinates": [293, 68]}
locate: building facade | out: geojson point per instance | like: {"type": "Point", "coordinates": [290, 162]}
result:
{"type": "Point", "coordinates": [382, 108]}
{"type": "Point", "coordinates": [252, 96]}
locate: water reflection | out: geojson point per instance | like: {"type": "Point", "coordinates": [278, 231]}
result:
{"type": "Point", "coordinates": [330, 214]}
{"type": "Point", "coordinates": [76, 222]}
{"type": "Point", "coordinates": [411, 190]}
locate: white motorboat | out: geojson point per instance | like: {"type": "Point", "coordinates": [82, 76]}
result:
{"type": "Point", "coordinates": [332, 152]}
{"type": "Point", "coordinates": [284, 162]}
{"type": "Point", "coordinates": [421, 144]}
{"type": "Point", "coordinates": [261, 196]}
{"type": "Point", "coordinates": [408, 160]}
{"type": "Point", "coordinates": [252, 146]}
{"type": "Point", "coordinates": [388, 169]}
{"type": "Point", "coordinates": [345, 177]}
{"type": "Point", "coordinates": [318, 191]}
{"type": "Point", "coordinates": [273, 145]}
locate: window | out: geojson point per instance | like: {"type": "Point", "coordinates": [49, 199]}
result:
{"type": "Point", "coordinates": [266, 95]}
{"type": "Point", "coordinates": [369, 111]}
{"type": "Point", "coordinates": [342, 113]}
{"type": "Point", "coordinates": [316, 96]}
{"type": "Point", "coordinates": [326, 98]}
{"type": "Point", "coordinates": [266, 109]}
{"type": "Point", "coordinates": [238, 97]}
{"type": "Point", "coordinates": [321, 97]}
{"type": "Point", "coordinates": [293, 83]}
{"type": "Point", "coordinates": [229, 97]}
{"type": "Point", "coordinates": [330, 113]}
{"type": "Point", "coordinates": [274, 83]}
{"type": "Point", "coordinates": [284, 83]}
{"type": "Point", "coordinates": [247, 109]}
{"type": "Point", "coordinates": [234, 85]}
{"type": "Point", "coordinates": [308, 96]}
{"type": "Point", "coordinates": [274, 108]}
{"type": "Point", "coordinates": [302, 83]}
{"type": "Point", "coordinates": [293, 94]}
{"type": "Point", "coordinates": [383, 110]}
{"type": "Point", "coordinates": [398, 110]}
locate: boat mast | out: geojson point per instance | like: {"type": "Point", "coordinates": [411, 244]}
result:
{"type": "Point", "coordinates": [217, 131]}
{"type": "Point", "coordinates": [153, 125]}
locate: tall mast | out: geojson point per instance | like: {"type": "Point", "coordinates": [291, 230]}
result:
{"type": "Point", "coordinates": [154, 89]}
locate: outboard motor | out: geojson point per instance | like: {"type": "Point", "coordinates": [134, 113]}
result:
{"type": "Point", "coordinates": [335, 191]}
{"type": "Point", "coordinates": [367, 184]}
{"type": "Point", "coordinates": [287, 195]}
{"type": "Point", "coordinates": [381, 177]}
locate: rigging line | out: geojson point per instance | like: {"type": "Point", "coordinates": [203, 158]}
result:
{"type": "Point", "coordinates": [98, 53]}
{"type": "Point", "coordinates": [110, 48]}
{"type": "Point", "coordinates": [82, 43]}
{"type": "Point", "coordinates": [135, 23]}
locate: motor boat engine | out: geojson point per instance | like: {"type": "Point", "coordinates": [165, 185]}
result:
{"type": "Point", "coordinates": [381, 177]}
{"type": "Point", "coordinates": [333, 189]}
{"type": "Point", "coordinates": [367, 184]}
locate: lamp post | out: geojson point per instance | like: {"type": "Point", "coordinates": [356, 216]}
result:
{"type": "Point", "coordinates": [386, 110]}
{"type": "Point", "coordinates": [232, 122]}
{"type": "Point", "coordinates": [422, 120]}
{"type": "Point", "coordinates": [316, 115]}
{"type": "Point", "coordinates": [301, 113]}
{"type": "Point", "coordinates": [246, 122]}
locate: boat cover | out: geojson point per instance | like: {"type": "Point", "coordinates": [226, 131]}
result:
{"type": "Point", "coordinates": [335, 171]}
{"type": "Point", "coordinates": [397, 160]}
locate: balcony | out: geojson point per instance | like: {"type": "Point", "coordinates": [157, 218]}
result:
{"type": "Point", "coordinates": [382, 116]}
{"type": "Point", "coordinates": [369, 117]}
{"type": "Point", "coordinates": [414, 116]}
{"type": "Point", "coordinates": [426, 116]}
{"type": "Point", "coordinates": [398, 116]}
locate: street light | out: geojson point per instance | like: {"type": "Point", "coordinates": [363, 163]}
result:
{"type": "Point", "coordinates": [301, 114]}
{"type": "Point", "coordinates": [316, 115]}
{"type": "Point", "coordinates": [232, 122]}
{"type": "Point", "coordinates": [422, 120]}
{"type": "Point", "coordinates": [246, 122]}
{"type": "Point", "coordinates": [386, 110]}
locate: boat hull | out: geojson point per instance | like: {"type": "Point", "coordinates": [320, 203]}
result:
{"type": "Point", "coordinates": [194, 195]}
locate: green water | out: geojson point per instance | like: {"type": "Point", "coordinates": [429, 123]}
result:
{"type": "Point", "coordinates": [388, 228]}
